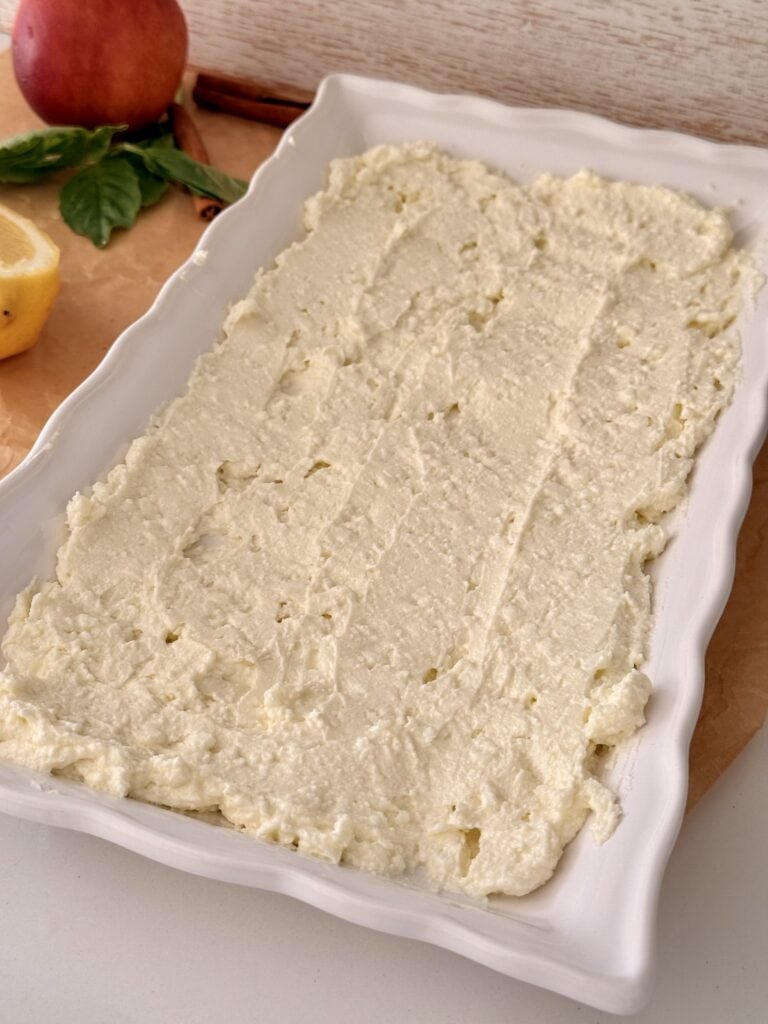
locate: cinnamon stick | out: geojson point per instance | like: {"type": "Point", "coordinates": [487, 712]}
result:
{"type": "Point", "coordinates": [269, 102]}
{"type": "Point", "coordinates": [190, 141]}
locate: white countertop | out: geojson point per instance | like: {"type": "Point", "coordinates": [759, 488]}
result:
{"type": "Point", "coordinates": [94, 934]}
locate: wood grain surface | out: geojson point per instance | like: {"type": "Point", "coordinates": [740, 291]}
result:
{"type": "Point", "coordinates": [697, 66]}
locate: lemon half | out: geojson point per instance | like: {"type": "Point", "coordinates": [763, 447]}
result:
{"type": "Point", "coordinates": [29, 281]}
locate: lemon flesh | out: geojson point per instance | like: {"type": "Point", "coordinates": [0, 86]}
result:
{"type": "Point", "coordinates": [29, 281]}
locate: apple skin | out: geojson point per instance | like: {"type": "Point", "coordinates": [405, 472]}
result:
{"type": "Point", "coordinates": [94, 62]}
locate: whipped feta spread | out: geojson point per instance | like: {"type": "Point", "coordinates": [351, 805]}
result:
{"type": "Point", "coordinates": [374, 587]}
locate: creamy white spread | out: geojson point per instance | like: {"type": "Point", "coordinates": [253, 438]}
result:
{"type": "Point", "coordinates": [374, 586]}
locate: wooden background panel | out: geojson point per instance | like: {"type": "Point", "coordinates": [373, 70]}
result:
{"type": "Point", "coordinates": [694, 65]}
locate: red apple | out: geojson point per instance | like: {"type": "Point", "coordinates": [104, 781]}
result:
{"type": "Point", "coordinates": [92, 62]}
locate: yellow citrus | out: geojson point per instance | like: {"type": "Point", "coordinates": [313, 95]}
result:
{"type": "Point", "coordinates": [29, 281]}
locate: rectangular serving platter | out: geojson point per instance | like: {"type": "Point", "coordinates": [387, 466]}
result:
{"type": "Point", "coordinates": [589, 933]}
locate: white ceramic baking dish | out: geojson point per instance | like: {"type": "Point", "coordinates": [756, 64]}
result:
{"type": "Point", "coordinates": [589, 933]}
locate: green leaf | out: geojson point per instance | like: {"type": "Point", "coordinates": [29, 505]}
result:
{"type": "Point", "coordinates": [199, 178]}
{"type": "Point", "coordinates": [29, 157]}
{"type": "Point", "coordinates": [100, 141]}
{"type": "Point", "coordinates": [162, 142]}
{"type": "Point", "coordinates": [151, 187]}
{"type": "Point", "coordinates": [101, 197]}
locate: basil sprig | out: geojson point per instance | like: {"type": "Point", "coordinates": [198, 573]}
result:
{"type": "Point", "coordinates": [114, 180]}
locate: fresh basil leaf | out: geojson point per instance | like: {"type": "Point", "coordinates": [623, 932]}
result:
{"type": "Point", "coordinates": [29, 157]}
{"type": "Point", "coordinates": [199, 178]}
{"type": "Point", "coordinates": [164, 141]}
{"type": "Point", "coordinates": [100, 141]}
{"type": "Point", "coordinates": [151, 187]}
{"type": "Point", "coordinates": [101, 197]}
